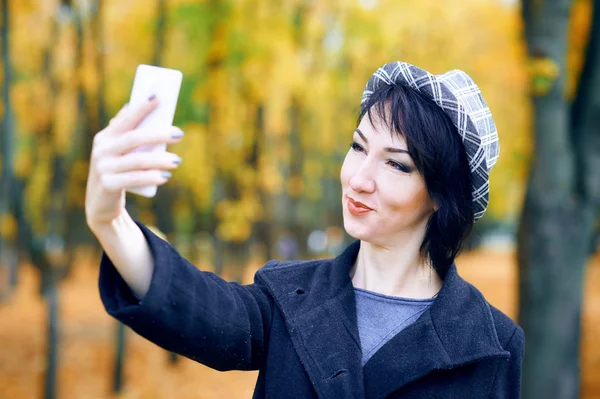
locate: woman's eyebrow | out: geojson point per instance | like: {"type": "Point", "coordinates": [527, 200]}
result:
{"type": "Point", "coordinates": [388, 149]}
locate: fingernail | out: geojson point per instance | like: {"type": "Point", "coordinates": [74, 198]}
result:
{"type": "Point", "coordinates": [178, 133]}
{"type": "Point", "coordinates": [152, 97]}
{"type": "Point", "coordinates": [166, 175]}
{"type": "Point", "coordinates": [177, 160]}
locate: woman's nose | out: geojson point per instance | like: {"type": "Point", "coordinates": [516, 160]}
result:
{"type": "Point", "coordinates": [363, 180]}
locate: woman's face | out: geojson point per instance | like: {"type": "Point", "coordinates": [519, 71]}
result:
{"type": "Point", "coordinates": [379, 173]}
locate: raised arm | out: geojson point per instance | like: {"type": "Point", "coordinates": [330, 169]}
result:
{"type": "Point", "coordinates": [144, 282]}
{"type": "Point", "coordinates": [113, 169]}
{"type": "Point", "coordinates": [125, 245]}
{"type": "Point", "coordinates": [224, 325]}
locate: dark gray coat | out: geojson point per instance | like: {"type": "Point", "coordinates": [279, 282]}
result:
{"type": "Point", "coordinates": [297, 324]}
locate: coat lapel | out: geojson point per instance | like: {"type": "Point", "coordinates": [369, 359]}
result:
{"type": "Point", "coordinates": [456, 330]}
{"type": "Point", "coordinates": [411, 354]}
{"type": "Point", "coordinates": [317, 301]}
{"type": "Point", "coordinates": [318, 305]}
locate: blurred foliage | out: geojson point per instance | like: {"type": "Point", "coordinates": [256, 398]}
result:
{"type": "Point", "coordinates": [270, 94]}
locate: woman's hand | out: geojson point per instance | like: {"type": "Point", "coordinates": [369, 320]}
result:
{"type": "Point", "coordinates": [113, 169]}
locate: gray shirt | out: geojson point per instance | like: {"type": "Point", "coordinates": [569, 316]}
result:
{"type": "Point", "coordinates": [380, 317]}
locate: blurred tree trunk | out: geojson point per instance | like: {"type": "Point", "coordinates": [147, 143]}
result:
{"type": "Point", "coordinates": [96, 110]}
{"type": "Point", "coordinates": [77, 230]}
{"type": "Point", "coordinates": [52, 339]}
{"type": "Point", "coordinates": [162, 203]}
{"type": "Point", "coordinates": [118, 378]}
{"type": "Point", "coordinates": [288, 218]}
{"type": "Point", "coordinates": [262, 230]}
{"type": "Point", "coordinates": [48, 238]}
{"type": "Point", "coordinates": [161, 17]}
{"type": "Point", "coordinates": [48, 247]}
{"type": "Point", "coordinates": [9, 251]}
{"type": "Point", "coordinates": [297, 224]}
{"type": "Point", "coordinates": [221, 182]}
{"type": "Point", "coordinates": [561, 205]}
{"type": "Point", "coordinates": [98, 33]}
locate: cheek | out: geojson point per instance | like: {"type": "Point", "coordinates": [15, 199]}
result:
{"type": "Point", "coordinates": [347, 170]}
{"type": "Point", "coordinates": [405, 196]}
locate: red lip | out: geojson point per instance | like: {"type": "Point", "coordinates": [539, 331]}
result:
{"type": "Point", "coordinates": [359, 204]}
{"type": "Point", "coordinates": [357, 208]}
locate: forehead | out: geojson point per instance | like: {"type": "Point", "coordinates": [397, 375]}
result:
{"type": "Point", "coordinates": [379, 133]}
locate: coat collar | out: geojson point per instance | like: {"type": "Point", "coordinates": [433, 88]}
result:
{"type": "Point", "coordinates": [317, 301]}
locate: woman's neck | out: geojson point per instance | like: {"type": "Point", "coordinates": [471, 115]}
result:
{"type": "Point", "coordinates": [395, 271]}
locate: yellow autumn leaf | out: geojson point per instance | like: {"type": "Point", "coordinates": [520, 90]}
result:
{"type": "Point", "coordinates": [8, 226]}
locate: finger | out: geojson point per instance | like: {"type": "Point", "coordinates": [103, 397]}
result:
{"type": "Point", "coordinates": [120, 115]}
{"type": "Point", "coordinates": [139, 161]}
{"type": "Point", "coordinates": [144, 136]}
{"type": "Point", "coordinates": [136, 116]}
{"type": "Point", "coordinates": [141, 178]}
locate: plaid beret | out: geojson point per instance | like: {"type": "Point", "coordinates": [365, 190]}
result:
{"type": "Point", "coordinates": [460, 98]}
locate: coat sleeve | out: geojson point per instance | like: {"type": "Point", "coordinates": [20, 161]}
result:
{"type": "Point", "coordinates": [197, 314]}
{"type": "Point", "coordinates": [507, 383]}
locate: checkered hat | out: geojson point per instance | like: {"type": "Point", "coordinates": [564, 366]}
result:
{"type": "Point", "coordinates": [460, 98]}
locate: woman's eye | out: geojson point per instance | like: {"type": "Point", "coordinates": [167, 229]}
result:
{"type": "Point", "coordinates": [399, 166]}
{"type": "Point", "coordinates": [356, 147]}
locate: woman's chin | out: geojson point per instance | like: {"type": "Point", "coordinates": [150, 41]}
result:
{"type": "Point", "coordinates": [356, 229]}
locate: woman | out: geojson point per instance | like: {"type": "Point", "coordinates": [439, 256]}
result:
{"type": "Point", "coordinates": [389, 317]}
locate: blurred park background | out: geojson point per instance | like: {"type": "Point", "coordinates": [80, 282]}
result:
{"type": "Point", "coordinates": [268, 104]}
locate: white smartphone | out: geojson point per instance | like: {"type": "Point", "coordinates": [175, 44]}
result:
{"type": "Point", "coordinates": [164, 83]}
